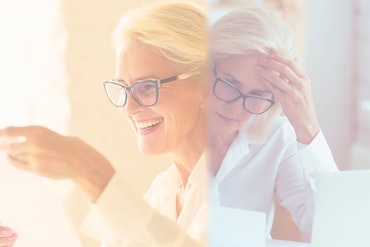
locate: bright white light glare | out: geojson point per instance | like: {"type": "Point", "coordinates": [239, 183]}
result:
{"type": "Point", "coordinates": [32, 73]}
{"type": "Point", "coordinates": [32, 83]}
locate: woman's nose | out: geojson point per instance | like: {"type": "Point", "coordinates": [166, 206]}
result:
{"type": "Point", "coordinates": [132, 106]}
{"type": "Point", "coordinates": [237, 106]}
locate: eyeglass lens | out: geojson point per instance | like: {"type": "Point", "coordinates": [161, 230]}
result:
{"type": "Point", "coordinates": [253, 104]}
{"type": "Point", "coordinates": [144, 92]}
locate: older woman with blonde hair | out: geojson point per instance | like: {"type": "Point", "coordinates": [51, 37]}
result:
{"type": "Point", "coordinates": [265, 139]}
{"type": "Point", "coordinates": [160, 86]}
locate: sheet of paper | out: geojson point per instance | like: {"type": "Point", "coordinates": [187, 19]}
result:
{"type": "Point", "coordinates": [236, 227]}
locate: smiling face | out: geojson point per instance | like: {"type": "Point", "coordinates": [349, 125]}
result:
{"type": "Point", "coordinates": [176, 122]}
{"type": "Point", "coordinates": [226, 118]}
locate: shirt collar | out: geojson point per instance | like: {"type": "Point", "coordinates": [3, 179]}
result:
{"type": "Point", "coordinates": [238, 149]}
{"type": "Point", "coordinates": [198, 177]}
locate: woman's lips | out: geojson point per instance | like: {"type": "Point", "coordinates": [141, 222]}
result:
{"type": "Point", "coordinates": [147, 126]}
{"type": "Point", "coordinates": [226, 119]}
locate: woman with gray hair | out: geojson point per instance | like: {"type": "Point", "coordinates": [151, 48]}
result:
{"type": "Point", "coordinates": [265, 139]}
{"type": "Point", "coordinates": [160, 86]}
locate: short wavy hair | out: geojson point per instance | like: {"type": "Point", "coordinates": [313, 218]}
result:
{"type": "Point", "coordinates": [250, 30]}
{"type": "Point", "coordinates": [178, 29]}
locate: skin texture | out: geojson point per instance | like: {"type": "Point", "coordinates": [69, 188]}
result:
{"type": "Point", "coordinates": [250, 72]}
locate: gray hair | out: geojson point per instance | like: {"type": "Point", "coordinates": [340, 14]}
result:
{"type": "Point", "coordinates": [251, 30]}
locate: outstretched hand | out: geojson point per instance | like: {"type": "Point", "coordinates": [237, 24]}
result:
{"type": "Point", "coordinates": [292, 89]}
{"type": "Point", "coordinates": [42, 151]}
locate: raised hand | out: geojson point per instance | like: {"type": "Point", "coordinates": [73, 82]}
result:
{"type": "Point", "coordinates": [292, 89]}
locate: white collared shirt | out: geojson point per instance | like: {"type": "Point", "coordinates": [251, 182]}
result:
{"type": "Point", "coordinates": [253, 173]}
{"type": "Point", "coordinates": [162, 196]}
{"type": "Point", "coordinates": [121, 217]}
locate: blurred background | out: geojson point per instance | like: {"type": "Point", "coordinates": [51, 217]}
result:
{"type": "Point", "coordinates": [56, 53]}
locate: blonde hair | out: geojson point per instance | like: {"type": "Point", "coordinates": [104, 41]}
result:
{"type": "Point", "coordinates": [176, 28]}
{"type": "Point", "coordinates": [251, 30]}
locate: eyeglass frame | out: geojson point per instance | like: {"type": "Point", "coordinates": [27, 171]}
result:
{"type": "Point", "coordinates": [241, 95]}
{"type": "Point", "coordinates": [157, 82]}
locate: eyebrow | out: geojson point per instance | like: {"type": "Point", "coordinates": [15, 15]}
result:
{"type": "Point", "coordinates": [118, 80]}
{"type": "Point", "coordinates": [237, 84]}
{"type": "Point", "coordinates": [231, 79]}
{"type": "Point", "coordinates": [138, 79]}
{"type": "Point", "coordinates": [260, 92]}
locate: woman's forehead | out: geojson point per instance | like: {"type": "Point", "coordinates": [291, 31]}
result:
{"type": "Point", "coordinates": [240, 70]}
{"type": "Point", "coordinates": [237, 65]}
{"type": "Point", "coordinates": [248, 57]}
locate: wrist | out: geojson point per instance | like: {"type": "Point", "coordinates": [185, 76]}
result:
{"type": "Point", "coordinates": [307, 135]}
{"type": "Point", "coordinates": [92, 171]}
{"type": "Point", "coordinates": [94, 184]}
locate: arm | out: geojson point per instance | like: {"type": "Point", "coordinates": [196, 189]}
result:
{"type": "Point", "coordinates": [127, 219]}
{"type": "Point", "coordinates": [297, 177]}
{"type": "Point", "coordinates": [297, 174]}
{"type": "Point", "coordinates": [42, 151]}
{"type": "Point", "coordinates": [125, 214]}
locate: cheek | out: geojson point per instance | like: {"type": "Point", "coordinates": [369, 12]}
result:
{"type": "Point", "coordinates": [129, 119]}
{"type": "Point", "coordinates": [244, 118]}
{"type": "Point", "coordinates": [132, 124]}
{"type": "Point", "coordinates": [179, 116]}
{"type": "Point", "coordinates": [215, 103]}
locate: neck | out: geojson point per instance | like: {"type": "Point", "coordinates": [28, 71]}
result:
{"type": "Point", "coordinates": [185, 165]}
{"type": "Point", "coordinates": [186, 157]}
{"type": "Point", "coordinates": [217, 148]}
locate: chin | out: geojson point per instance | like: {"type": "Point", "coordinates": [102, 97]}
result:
{"type": "Point", "coordinates": [148, 149]}
{"type": "Point", "coordinates": [150, 143]}
{"type": "Point", "coordinates": [147, 152]}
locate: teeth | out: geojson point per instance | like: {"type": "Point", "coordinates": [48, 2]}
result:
{"type": "Point", "coordinates": [144, 125]}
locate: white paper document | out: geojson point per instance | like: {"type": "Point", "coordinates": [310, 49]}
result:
{"type": "Point", "coordinates": [236, 227]}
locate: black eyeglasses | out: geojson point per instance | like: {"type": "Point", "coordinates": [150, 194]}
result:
{"type": "Point", "coordinates": [227, 92]}
{"type": "Point", "coordinates": [145, 92]}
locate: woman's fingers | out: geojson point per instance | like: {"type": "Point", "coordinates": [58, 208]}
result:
{"type": "Point", "coordinates": [7, 237]}
{"type": "Point", "coordinates": [14, 134]}
{"type": "Point", "coordinates": [273, 80]}
{"type": "Point", "coordinates": [18, 161]}
{"type": "Point", "coordinates": [282, 73]}
{"type": "Point", "coordinates": [292, 65]}
{"type": "Point", "coordinates": [291, 88]}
